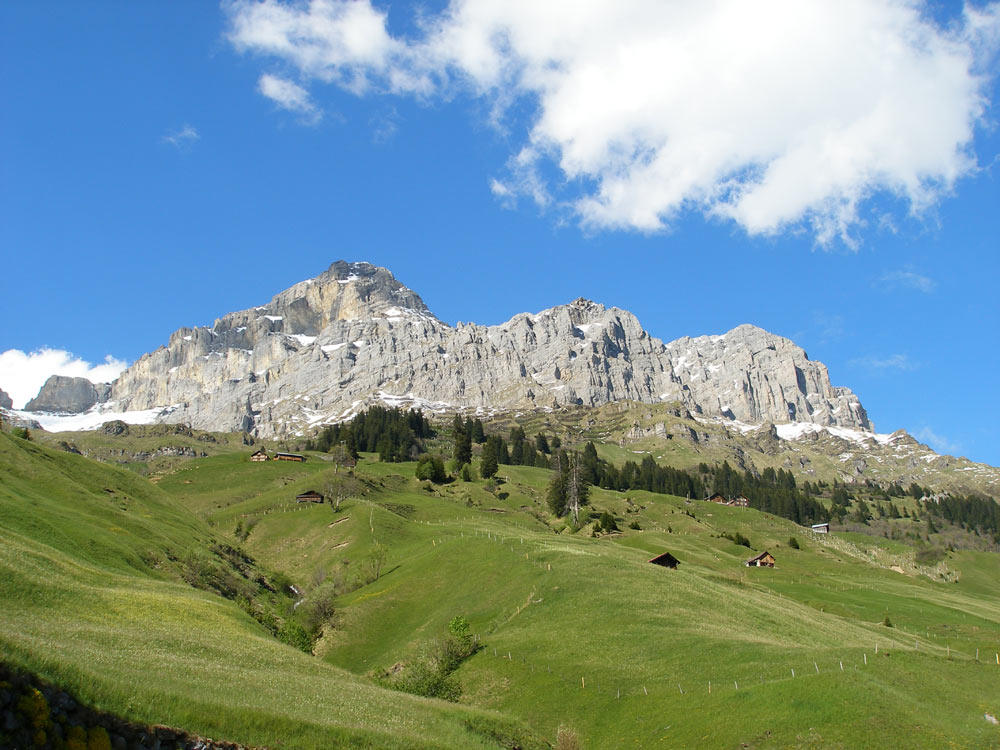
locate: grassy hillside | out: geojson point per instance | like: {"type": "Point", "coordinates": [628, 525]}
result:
{"type": "Point", "coordinates": [848, 642]}
{"type": "Point", "coordinates": [88, 605]}
{"type": "Point", "coordinates": [570, 622]}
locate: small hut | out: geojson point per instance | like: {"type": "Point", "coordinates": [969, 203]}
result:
{"type": "Point", "coordinates": [739, 502]}
{"type": "Point", "coordinates": [289, 457]}
{"type": "Point", "coordinates": [260, 455]}
{"type": "Point", "coordinates": [310, 496]}
{"type": "Point", "coordinates": [764, 560]}
{"type": "Point", "coordinates": [718, 497]}
{"type": "Point", "coordinates": [666, 560]}
{"type": "Point", "coordinates": [821, 528]}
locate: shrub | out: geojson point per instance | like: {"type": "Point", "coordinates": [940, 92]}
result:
{"type": "Point", "coordinates": [317, 609]}
{"type": "Point", "coordinates": [607, 522]}
{"type": "Point", "coordinates": [76, 738]}
{"type": "Point", "coordinates": [928, 555]}
{"type": "Point", "coordinates": [793, 542]}
{"type": "Point", "coordinates": [887, 622]}
{"type": "Point", "coordinates": [567, 739]}
{"type": "Point", "coordinates": [295, 635]}
{"type": "Point", "coordinates": [98, 739]}
{"type": "Point", "coordinates": [431, 468]}
{"type": "Point", "coordinates": [35, 708]}
{"type": "Point", "coordinates": [429, 674]}
{"type": "Point", "coordinates": [737, 538]}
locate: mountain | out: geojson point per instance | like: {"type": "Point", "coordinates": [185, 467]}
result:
{"type": "Point", "coordinates": [319, 351]}
{"type": "Point", "coordinates": [67, 395]}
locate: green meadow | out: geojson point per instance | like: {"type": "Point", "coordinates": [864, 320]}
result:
{"type": "Point", "coordinates": [846, 643]}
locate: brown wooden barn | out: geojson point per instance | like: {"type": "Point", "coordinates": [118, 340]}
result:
{"type": "Point", "coordinates": [764, 560]}
{"type": "Point", "coordinates": [718, 497]}
{"type": "Point", "coordinates": [260, 455]}
{"type": "Point", "coordinates": [666, 560]}
{"type": "Point", "coordinates": [739, 502]}
{"type": "Point", "coordinates": [289, 457]}
{"type": "Point", "coordinates": [310, 496]}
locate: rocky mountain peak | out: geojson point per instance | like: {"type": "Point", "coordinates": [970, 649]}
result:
{"type": "Point", "coordinates": [354, 334]}
{"type": "Point", "coordinates": [66, 395]}
{"type": "Point", "coordinates": [5, 400]}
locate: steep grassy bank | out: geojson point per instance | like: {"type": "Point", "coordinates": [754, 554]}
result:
{"type": "Point", "coordinates": [87, 605]}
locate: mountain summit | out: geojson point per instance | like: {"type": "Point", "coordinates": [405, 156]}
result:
{"type": "Point", "coordinates": [320, 350]}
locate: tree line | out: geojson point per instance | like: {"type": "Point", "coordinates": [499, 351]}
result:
{"type": "Point", "coordinates": [394, 434]}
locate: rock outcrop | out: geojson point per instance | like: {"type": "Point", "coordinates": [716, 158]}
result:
{"type": "Point", "coordinates": [5, 400]}
{"type": "Point", "coordinates": [320, 350]}
{"type": "Point", "coordinates": [65, 395]}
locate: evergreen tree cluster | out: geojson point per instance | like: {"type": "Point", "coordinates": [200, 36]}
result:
{"type": "Point", "coordinates": [979, 515]}
{"type": "Point", "coordinates": [518, 451]}
{"type": "Point", "coordinates": [394, 434]}
{"type": "Point", "coordinates": [772, 492]}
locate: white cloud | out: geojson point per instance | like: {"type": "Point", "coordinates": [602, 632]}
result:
{"type": "Point", "coordinates": [939, 443]}
{"type": "Point", "coordinates": [908, 278]}
{"type": "Point", "coordinates": [180, 138]}
{"type": "Point", "coordinates": [23, 374]}
{"type": "Point", "coordinates": [775, 114]}
{"type": "Point", "coordinates": [288, 95]}
{"type": "Point", "coordinates": [890, 362]}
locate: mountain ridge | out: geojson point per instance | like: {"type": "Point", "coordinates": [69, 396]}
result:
{"type": "Point", "coordinates": [354, 334]}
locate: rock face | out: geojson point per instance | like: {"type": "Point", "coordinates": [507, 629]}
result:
{"type": "Point", "coordinates": [754, 376]}
{"type": "Point", "coordinates": [5, 400]}
{"type": "Point", "coordinates": [320, 350]}
{"type": "Point", "coordinates": [68, 395]}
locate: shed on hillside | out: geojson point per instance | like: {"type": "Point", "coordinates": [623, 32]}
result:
{"type": "Point", "coordinates": [666, 560]}
{"type": "Point", "coordinates": [289, 457]}
{"type": "Point", "coordinates": [310, 496]}
{"type": "Point", "coordinates": [718, 497]}
{"type": "Point", "coordinates": [260, 455]}
{"type": "Point", "coordinates": [821, 528]}
{"type": "Point", "coordinates": [739, 502]}
{"type": "Point", "coordinates": [764, 560]}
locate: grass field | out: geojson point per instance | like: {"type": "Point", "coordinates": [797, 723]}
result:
{"type": "Point", "coordinates": [576, 631]}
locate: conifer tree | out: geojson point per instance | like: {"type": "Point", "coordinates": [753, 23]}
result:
{"type": "Point", "coordinates": [488, 465]}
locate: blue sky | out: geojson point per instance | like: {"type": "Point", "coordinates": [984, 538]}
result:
{"type": "Point", "coordinates": [833, 180]}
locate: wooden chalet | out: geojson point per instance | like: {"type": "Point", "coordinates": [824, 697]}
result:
{"type": "Point", "coordinates": [821, 528]}
{"type": "Point", "coordinates": [289, 457]}
{"type": "Point", "coordinates": [309, 496]}
{"type": "Point", "coordinates": [764, 560]}
{"type": "Point", "coordinates": [260, 455]}
{"type": "Point", "coordinates": [734, 502]}
{"type": "Point", "coordinates": [666, 560]}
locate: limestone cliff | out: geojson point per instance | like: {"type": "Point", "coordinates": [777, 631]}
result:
{"type": "Point", "coordinates": [320, 350]}
{"type": "Point", "coordinates": [68, 395]}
